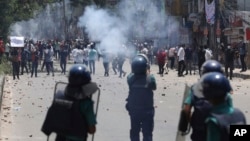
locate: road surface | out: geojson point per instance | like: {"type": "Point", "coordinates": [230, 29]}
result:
{"type": "Point", "coordinates": [25, 103]}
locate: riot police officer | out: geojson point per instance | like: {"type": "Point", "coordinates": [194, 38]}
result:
{"type": "Point", "coordinates": [215, 89]}
{"type": "Point", "coordinates": [77, 95]}
{"type": "Point", "coordinates": [201, 106]}
{"type": "Point", "coordinates": [140, 99]}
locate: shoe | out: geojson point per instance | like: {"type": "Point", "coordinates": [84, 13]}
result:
{"type": "Point", "coordinates": [181, 75]}
{"type": "Point", "coordinates": [166, 72]}
{"type": "Point", "coordinates": [47, 73]}
{"type": "Point", "coordinates": [124, 74]}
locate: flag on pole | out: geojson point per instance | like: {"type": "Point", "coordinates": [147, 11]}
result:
{"type": "Point", "coordinates": [210, 12]}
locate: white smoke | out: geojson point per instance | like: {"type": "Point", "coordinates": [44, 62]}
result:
{"type": "Point", "coordinates": [46, 24]}
{"type": "Point", "coordinates": [141, 19]}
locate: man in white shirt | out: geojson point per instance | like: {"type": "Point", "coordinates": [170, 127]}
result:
{"type": "Point", "coordinates": [7, 50]}
{"type": "Point", "coordinates": [208, 54]}
{"type": "Point", "coordinates": [74, 54]}
{"type": "Point", "coordinates": [181, 60]}
{"type": "Point", "coordinates": [86, 56]}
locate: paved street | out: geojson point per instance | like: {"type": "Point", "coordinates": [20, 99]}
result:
{"type": "Point", "coordinates": [25, 103]}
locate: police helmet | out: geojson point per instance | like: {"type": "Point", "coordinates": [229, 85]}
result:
{"type": "Point", "coordinates": [211, 66]}
{"type": "Point", "coordinates": [140, 64]}
{"type": "Point", "coordinates": [215, 85]}
{"type": "Point", "coordinates": [79, 75]}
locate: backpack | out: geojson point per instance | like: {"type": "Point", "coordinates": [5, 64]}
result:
{"type": "Point", "coordinates": [64, 118]}
{"type": "Point", "coordinates": [225, 120]}
{"type": "Point", "coordinates": [201, 111]}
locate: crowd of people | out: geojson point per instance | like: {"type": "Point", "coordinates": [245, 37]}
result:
{"type": "Point", "coordinates": [210, 96]}
{"type": "Point", "coordinates": [186, 59]}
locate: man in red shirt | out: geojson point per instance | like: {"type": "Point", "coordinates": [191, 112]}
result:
{"type": "Point", "coordinates": [161, 56]}
{"type": "Point", "coordinates": [1, 50]}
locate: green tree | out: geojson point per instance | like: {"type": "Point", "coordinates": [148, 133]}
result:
{"type": "Point", "coordinates": [12, 11]}
{"type": "Point", "coordinates": [84, 3]}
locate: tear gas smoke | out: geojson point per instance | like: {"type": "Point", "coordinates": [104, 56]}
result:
{"type": "Point", "coordinates": [140, 19]}
{"type": "Point", "coordinates": [47, 24]}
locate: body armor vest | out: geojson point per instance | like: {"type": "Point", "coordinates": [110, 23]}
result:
{"type": "Point", "coordinates": [140, 94]}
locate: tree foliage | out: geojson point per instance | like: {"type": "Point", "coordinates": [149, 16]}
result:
{"type": "Point", "coordinates": [12, 11]}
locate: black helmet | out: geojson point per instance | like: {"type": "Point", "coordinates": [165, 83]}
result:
{"type": "Point", "coordinates": [211, 66]}
{"type": "Point", "coordinates": [140, 64]}
{"type": "Point", "coordinates": [79, 75]}
{"type": "Point", "coordinates": [215, 85]}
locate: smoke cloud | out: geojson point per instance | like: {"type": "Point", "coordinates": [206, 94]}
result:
{"type": "Point", "coordinates": [131, 19]}
{"type": "Point", "coordinates": [47, 24]}
{"type": "Point", "coordinates": [140, 19]}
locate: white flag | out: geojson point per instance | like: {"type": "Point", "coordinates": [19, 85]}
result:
{"type": "Point", "coordinates": [210, 12]}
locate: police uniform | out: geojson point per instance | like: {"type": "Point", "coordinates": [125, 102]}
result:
{"type": "Point", "coordinates": [215, 89]}
{"type": "Point", "coordinates": [86, 108]}
{"type": "Point", "coordinates": [202, 108]}
{"type": "Point", "coordinates": [140, 105]}
{"type": "Point", "coordinates": [71, 115]}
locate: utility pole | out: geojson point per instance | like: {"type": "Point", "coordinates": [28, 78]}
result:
{"type": "Point", "coordinates": [64, 20]}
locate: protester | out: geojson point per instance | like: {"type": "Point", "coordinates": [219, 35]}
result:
{"type": "Point", "coordinates": [92, 58]}
{"type": "Point", "coordinates": [181, 60]}
{"type": "Point", "coordinates": [1, 50]}
{"type": "Point", "coordinates": [171, 57]}
{"type": "Point", "coordinates": [201, 58]}
{"type": "Point", "coordinates": [229, 62]}
{"type": "Point", "coordinates": [35, 54]}
{"type": "Point", "coordinates": [242, 52]}
{"type": "Point", "coordinates": [24, 59]}
{"type": "Point", "coordinates": [106, 60]}
{"type": "Point", "coordinates": [121, 57]}
{"type": "Point", "coordinates": [15, 63]}
{"type": "Point", "coordinates": [63, 59]}
{"type": "Point", "coordinates": [188, 60]}
{"type": "Point", "coordinates": [48, 58]}
{"type": "Point", "coordinates": [7, 49]}
{"type": "Point", "coordinates": [114, 63]}
{"type": "Point", "coordinates": [161, 60]}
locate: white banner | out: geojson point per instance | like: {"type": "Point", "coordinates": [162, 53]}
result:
{"type": "Point", "coordinates": [16, 41]}
{"type": "Point", "coordinates": [210, 12]}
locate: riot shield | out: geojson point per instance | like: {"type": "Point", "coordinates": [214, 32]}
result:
{"type": "Point", "coordinates": [91, 90]}
{"type": "Point", "coordinates": [181, 136]}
